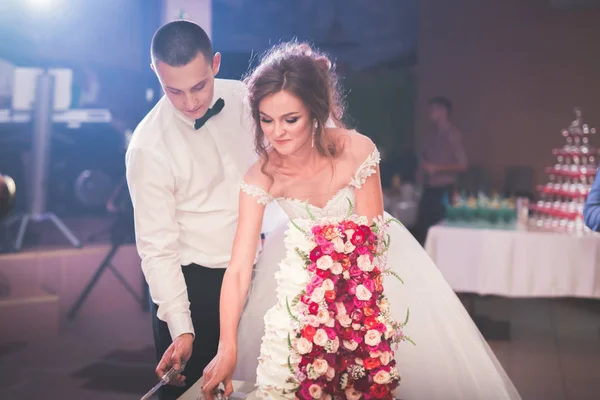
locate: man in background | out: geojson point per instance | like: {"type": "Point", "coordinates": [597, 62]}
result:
{"type": "Point", "coordinates": [443, 157]}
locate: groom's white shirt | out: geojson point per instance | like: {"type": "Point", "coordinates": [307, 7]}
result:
{"type": "Point", "coordinates": [184, 185]}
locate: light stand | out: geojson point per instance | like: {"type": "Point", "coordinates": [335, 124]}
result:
{"type": "Point", "coordinates": [42, 129]}
{"type": "Point", "coordinates": [121, 232]}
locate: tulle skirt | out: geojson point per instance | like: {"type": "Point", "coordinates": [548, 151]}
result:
{"type": "Point", "coordinates": [450, 359]}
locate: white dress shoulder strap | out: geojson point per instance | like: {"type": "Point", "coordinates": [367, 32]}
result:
{"type": "Point", "coordinates": [366, 169]}
{"type": "Point", "coordinates": [261, 196]}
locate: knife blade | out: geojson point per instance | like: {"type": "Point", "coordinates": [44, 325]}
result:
{"type": "Point", "coordinates": [172, 373]}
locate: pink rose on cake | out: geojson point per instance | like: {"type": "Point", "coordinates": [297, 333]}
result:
{"type": "Point", "coordinates": [350, 345]}
{"type": "Point", "coordinates": [315, 391]}
{"type": "Point", "coordinates": [320, 366]}
{"type": "Point", "coordinates": [353, 394]}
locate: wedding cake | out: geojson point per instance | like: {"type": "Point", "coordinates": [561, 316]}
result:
{"type": "Point", "coordinates": [330, 331]}
{"type": "Point", "coordinates": [273, 374]}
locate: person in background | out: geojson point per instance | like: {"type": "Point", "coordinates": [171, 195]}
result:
{"type": "Point", "coordinates": [443, 157]}
{"type": "Point", "coordinates": [591, 211]}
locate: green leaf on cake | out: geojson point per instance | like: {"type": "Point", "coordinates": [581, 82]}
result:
{"type": "Point", "coordinates": [289, 363]}
{"type": "Point", "coordinates": [303, 255]}
{"type": "Point", "coordinates": [289, 310]}
{"type": "Point", "coordinates": [296, 299]}
{"type": "Point", "coordinates": [297, 227]}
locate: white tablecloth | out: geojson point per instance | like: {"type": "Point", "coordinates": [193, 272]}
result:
{"type": "Point", "coordinates": [516, 263]}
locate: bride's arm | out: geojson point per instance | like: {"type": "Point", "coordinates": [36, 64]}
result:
{"type": "Point", "coordinates": [234, 289]}
{"type": "Point", "coordinates": [236, 280]}
{"type": "Point", "coordinates": [369, 196]}
{"type": "Point", "coordinates": [367, 179]}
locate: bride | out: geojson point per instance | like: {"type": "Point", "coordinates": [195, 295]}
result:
{"type": "Point", "coordinates": [292, 95]}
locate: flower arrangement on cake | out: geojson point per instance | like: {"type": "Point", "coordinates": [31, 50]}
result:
{"type": "Point", "coordinates": [341, 344]}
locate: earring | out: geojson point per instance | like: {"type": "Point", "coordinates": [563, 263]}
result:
{"type": "Point", "coordinates": [313, 134]}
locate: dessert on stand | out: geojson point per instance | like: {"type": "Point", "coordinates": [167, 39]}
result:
{"type": "Point", "coordinates": [562, 198]}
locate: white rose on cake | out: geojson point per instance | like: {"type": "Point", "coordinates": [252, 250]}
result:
{"type": "Point", "coordinates": [337, 268]}
{"type": "Point", "coordinates": [364, 263]}
{"type": "Point", "coordinates": [350, 344]}
{"type": "Point", "coordinates": [324, 263]}
{"type": "Point", "coordinates": [386, 358]}
{"type": "Point", "coordinates": [304, 346]}
{"type": "Point", "coordinates": [327, 285]}
{"type": "Point", "coordinates": [362, 293]}
{"type": "Point", "coordinates": [345, 320]}
{"type": "Point", "coordinates": [338, 244]}
{"type": "Point", "coordinates": [320, 338]}
{"type": "Point", "coordinates": [317, 295]}
{"type": "Point", "coordinates": [323, 316]}
{"type": "Point", "coordinates": [349, 247]}
{"type": "Point", "coordinates": [375, 354]}
{"type": "Point", "coordinates": [382, 377]}
{"type": "Point", "coordinates": [321, 366]}
{"type": "Point", "coordinates": [373, 337]}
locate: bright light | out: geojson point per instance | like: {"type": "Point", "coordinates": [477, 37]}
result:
{"type": "Point", "coordinates": [39, 3]}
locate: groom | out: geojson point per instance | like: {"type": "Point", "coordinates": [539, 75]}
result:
{"type": "Point", "coordinates": [185, 163]}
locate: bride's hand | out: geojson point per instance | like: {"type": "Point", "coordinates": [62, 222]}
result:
{"type": "Point", "coordinates": [220, 369]}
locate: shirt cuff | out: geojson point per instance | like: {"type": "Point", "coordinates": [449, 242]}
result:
{"type": "Point", "coordinates": [179, 324]}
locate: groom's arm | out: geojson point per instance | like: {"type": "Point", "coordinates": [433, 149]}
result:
{"type": "Point", "coordinates": [591, 212]}
{"type": "Point", "coordinates": [152, 188]}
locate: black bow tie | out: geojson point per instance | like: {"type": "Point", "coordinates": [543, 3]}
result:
{"type": "Point", "coordinates": [219, 104]}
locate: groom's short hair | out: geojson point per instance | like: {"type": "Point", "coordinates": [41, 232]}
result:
{"type": "Point", "coordinates": [177, 43]}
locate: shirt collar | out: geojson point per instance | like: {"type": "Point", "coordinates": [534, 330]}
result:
{"type": "Point", "coordinates": [184, 118]}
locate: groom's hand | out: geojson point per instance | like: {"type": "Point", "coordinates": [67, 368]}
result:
{"type": "Point", "coordinates": [179, 351]}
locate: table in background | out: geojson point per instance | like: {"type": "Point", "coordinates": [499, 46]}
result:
{"type": "Point", "coordinates": [501, 260]}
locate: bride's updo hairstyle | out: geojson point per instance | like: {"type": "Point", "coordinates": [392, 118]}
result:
{"type": "Point", "coordinates": [305, 73]}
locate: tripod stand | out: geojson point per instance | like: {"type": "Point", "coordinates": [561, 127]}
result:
{"type": "Point", "coordinates": [122, 232]}
{"type": "Point", "coordinates": [42, 126]}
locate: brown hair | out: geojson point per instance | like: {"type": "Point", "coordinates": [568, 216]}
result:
{"type": "Point", "coordinates": [177, 43]}
{"type": "Point", "coordinates": [305, 73]}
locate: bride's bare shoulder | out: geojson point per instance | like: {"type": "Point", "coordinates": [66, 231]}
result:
{"type": "Point", "coordinates": [351, 144]}
{"type": "Point", "coordinates": [260, 174]}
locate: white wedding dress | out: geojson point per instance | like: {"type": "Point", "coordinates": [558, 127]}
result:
{"type": "Point", "coordinates": [450, 361]}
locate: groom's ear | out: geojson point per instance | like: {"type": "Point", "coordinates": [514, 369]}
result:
{"type": "Point", "coordinates": [216, 63]}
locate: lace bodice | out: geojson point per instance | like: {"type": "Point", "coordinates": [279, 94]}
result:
{"type": "Point", "coordinates": [336, 206]}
